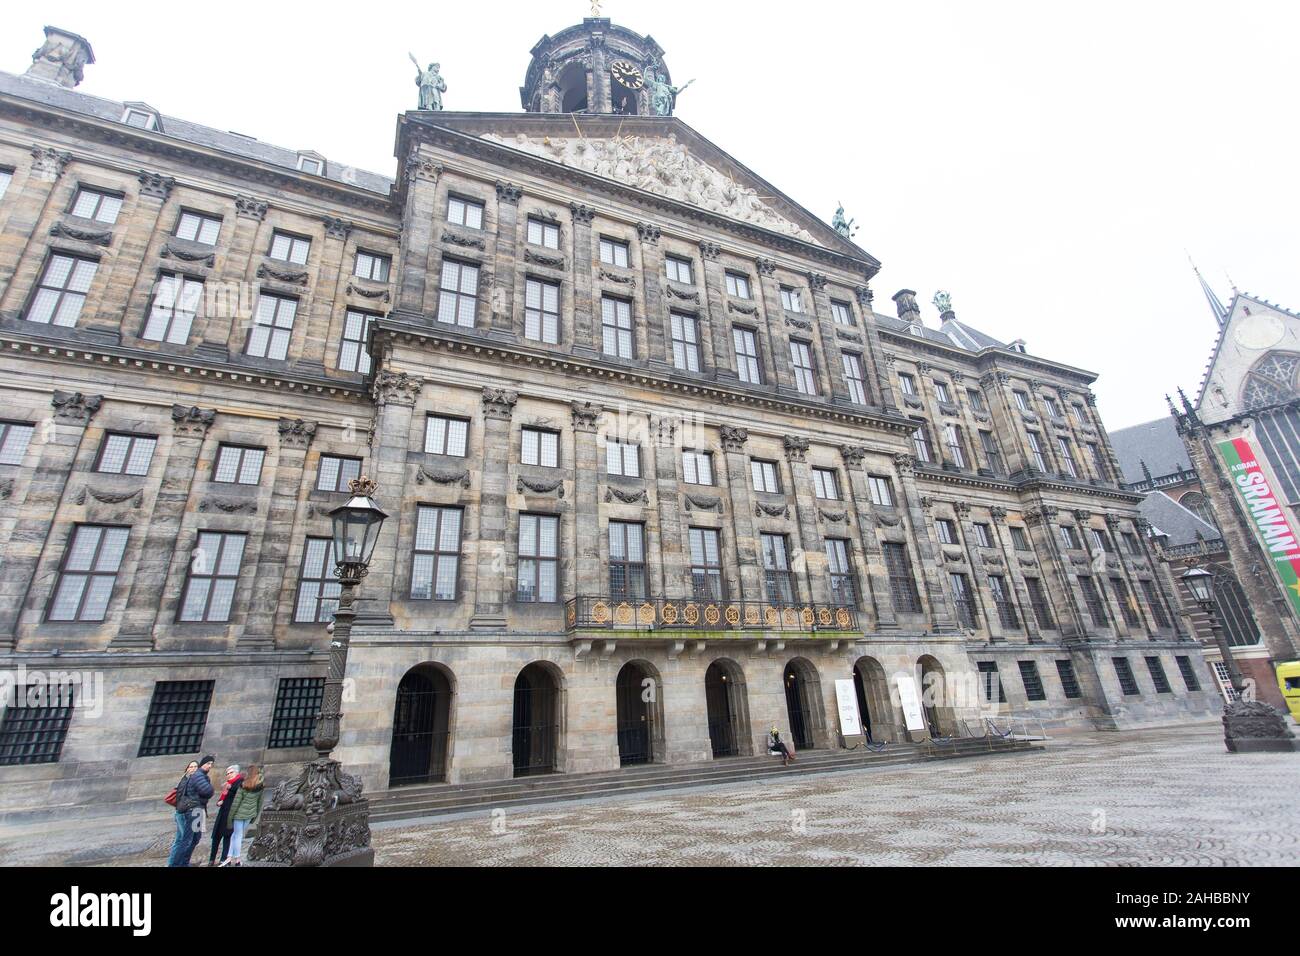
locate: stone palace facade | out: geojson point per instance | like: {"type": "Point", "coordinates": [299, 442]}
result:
{"type": "Point", "coordinates": [658, 474]}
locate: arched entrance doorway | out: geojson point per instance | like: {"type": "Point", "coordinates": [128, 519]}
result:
{"type": "Point", "coordinates": [874, 705]}
{"type": "Point", "coordinates": [803, 703]}
{"type": "Point", "coordinates": [421, 728]}
{"type": "Point", "coordinates": [728, 709]}
{"type": "Point", "coordinates": [934, 701]}
{"type": "Point", "coordinates": [639, 711]}
{"type": "Point", "coordinates": [536, 724]}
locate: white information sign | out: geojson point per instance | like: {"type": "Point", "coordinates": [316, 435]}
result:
{"type": "Point", "coordinates": [846, 696]}
{"type": "Point", "coordinates": [911, 701]}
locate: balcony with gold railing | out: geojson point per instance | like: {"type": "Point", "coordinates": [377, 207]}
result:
{"type": "Point", "coordinates": [691, 617]}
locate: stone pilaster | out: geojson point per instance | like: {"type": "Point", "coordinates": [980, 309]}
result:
{"type": "Point", "coordinates": [742, 513]}
{"type": "Point", "coordinates": [873, 356]}
{"type": "Point", "coordinates": [589, 581]}
{"type": "Point", "coordinates": [1007, 422]}
{"type": "Point", "coordinates": [62, 435]}
{"type": "Point", "coordinates": [230, 303]}
{"type": "Point", "coordinates": [28, 200]}
{"type": "Point", "coordinates": [584, 252]}
{"type": "Point", "coordinates": [942, 616]}
{"type": "Point", "coordinates": [506, 258]}
{"type": "Point", "coordinates": [491, 584]}
{"type": "Point", "coordinates": [1067, 599]}
{"type": "Point", "coordinates": [979, 574]}
{"type": "Point", "coordinates": [125, 279]}
{"type": "Point", "coordinates": [772, 314]}
{"type": "Point", "coordinates": [816, 579]}
{"type": "Point", "coordinates": [651, 344]}
{"type": "Point", "coordinates": [715, 330]}
{"type": "Point", "coordinates": [419, 215]}
{"type": "Point", "coordinates": [674, 560]}
{"type": "Point", "coordinates": [826, 344]}
{"type": "Point", "coordinates": [1015, 573]}
{"type": "Point", "coordinates": [873, 578]}
{"type": "Point", "coordinates": [189, 427]}
{"type": "Point", "coordinates": [295, 438]}
{"type": "Point", "coordinates": [332, 279]}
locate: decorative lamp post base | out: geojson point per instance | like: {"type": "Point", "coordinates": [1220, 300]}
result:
{"type": "Point", "coordinates": [320, 819]}
{"type": "Point", "coordinates": [1252, 726]}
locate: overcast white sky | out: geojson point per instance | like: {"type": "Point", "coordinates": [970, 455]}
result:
{"type": "Point", "coordinates": [1047, 164]}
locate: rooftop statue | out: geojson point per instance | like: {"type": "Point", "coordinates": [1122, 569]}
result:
{"type": "Point", "coordinates": [845, 227]}
{"type": "Point", "coordinates": [943, 302]}
{"type": "Point", "coordinates": [431, 85]}
{"type": "Point", "coordinates": [663, 95]}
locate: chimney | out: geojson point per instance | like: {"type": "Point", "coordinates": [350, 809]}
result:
{"type": "Point", "coordinates": [61, 58]}
{"type": "Point", "coordinates": [908, 310]}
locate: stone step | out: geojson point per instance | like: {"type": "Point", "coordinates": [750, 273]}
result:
{"type": "Point", "coordinates": [438, 800]}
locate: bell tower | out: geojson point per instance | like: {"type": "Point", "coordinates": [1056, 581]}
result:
{"type": "Point", "coordinates": [598, 67]}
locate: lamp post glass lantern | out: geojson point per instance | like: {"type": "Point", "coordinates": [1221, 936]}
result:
{"type": "Point", "coordinates": [1201, 584]}
{"type": "Point", "coordinates": [321, 818]}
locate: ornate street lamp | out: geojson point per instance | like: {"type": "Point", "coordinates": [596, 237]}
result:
{"type": "Point", "coordinates": [1200, 583]}
{"type": "Point", "coordinates": [321, 818]}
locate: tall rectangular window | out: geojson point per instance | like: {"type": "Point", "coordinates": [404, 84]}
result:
{"type": "Point", "coordinates": [853, 377]}
{"type": "Point", "coordinates": [961, 597]}
{"type": "Point", "coordinates": [1038, 601]}
{"type": "Point", "coordinates": [1100, 540]}
{"type": "Point", "coordinates": [336, 472]}
{"type": "Point", "coordinates": [746, 344]}
{"type": "Point", "coordinates": [738, 285]}
{"type": "Point", "coordinates": [686, 342]}
{"type": "Point", "coordinates": [1069, 683]}
{"type": "Point", "coordinates": [35, 723]}
{"type": "Point", "coordinates": [1157, 670]}
{"type": "Point", "coordinates": [297, 702]}
{"type": "Point", "coordinates": [679, 270]}
{"type": "Point", "coordinates": [213, 575]}
{"type": "Point", "coordinates": [176, 301]}
{"type": "Point", "coordinates": [538, 447]}
{"type": "Point", "coordinates": [921, 443]}
{"type": "Point", "coordinates": [616, 327]}
{"type": "Point", "coordinates": [435, 564]}
{"type": "Point", "coordinates": [353, 356]}
{"type": "Point", "coordinates": [1124, 671]}
{"type": "Point", "coordinates": [613, 252]}
{"type": "Point", "coordinates": [902, 584]}
{"type": "Point", "coordinates": [1033, 682]}
{"type": "Point", "coordinates": [198, 227]}
{"type": "Point", "coordinates": [318, 588]}
{"type": "Point", "coordinates": [976, 399]}
{"type": "Point", "coordinates": [906, 383]}
{"type": "Point", "coordinates": [1155, 603]}
{"type": "Point", "coordinates": [765, 476]}
{"type": "Point", "coordinates": [1053, 408]}
{"type": "Point", "coordinates": [801, 363]}
{"type": "Point", "coordinates": [465, 212]}
{"type": "Point", "coordinates": [1067, 456]}
{"type": "Point", "coordinates": [1019, 539]}
{"type": "Point", "coordinates": [87, 573]}
{"type": "Point", "coordinates": [983, 535]}
{"type": "Point", "coordinates": [791, 301]}
{"type": "Point", "coordinates": [1036, 451]}
{"type": "Point", "coordinates": [542, 311]}
{"type": "Point", "coordinates": [706, 565]}
{"type": "Point", "coordinates": [1092, 597]}
{"type": "Point", "coordinates": [290, 248]}
{"type": "Point", "coordinates": [622, 458]}
{"type": "Point", "coordinates": [539, 559]}
{"type": "Point", "coordinates": [839, 564]}
{"type": "Point", "coordinates": [61, 292]}
{"type": "Point", "coordinates": [125, 454]}
{"type": "Point", "coordinates": [841, 312]}
{"type": "Point", "coordinates": [1022, 400]}
{"type": "Point", "coordinates": [1127, 603]}
{"type": "Point", "coordinates": [1189, 673]}
{"type": "Point", "coordinates": [238, 465]}
{"type": "Point", "coordinates": [14, 439]}
{"type": "Point", "coordinates": [272, 327]}
{"type": "Point", "coordinates": [1002, 601]}
{"type": "Point", "coordinates": [941, 392]}
{"type": "Point", "coordinates": [178, 714]}
{"type": "Point", "coordinates": [1069, 538]}
{"type": "Point", "coordinates": [778, 579]}
{"type": "Point", "coordinates": [946, 530]}
{"type": "Point", "coordinates": [825, 484]}
{"type": "Point", "coordinates": [372, 266]}
{"type": "Point", "coordinates": [992, 453]}
{"type": "Point", "coordinates": [445, 436]}
{"type": "Point", "coordinates": [458, 293]}
{"type": "Point", "coordinates": [95, 204]}
{"type": "Point", "coordinates": [956, 446]}
{"type": "Point", "coordinates": [1094, 453]}
{"type": "Point", "coordinates": [542, 233]}
{"type": "Point", "coordinates": [697, 467]}
{"type": "Point", "coordinates": [881, 491]}
{"type": "Point", "coordinates": [627, 577]}
{"type": "Point", "coordinates": [6, 177]}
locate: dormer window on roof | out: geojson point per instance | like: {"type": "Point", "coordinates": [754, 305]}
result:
{"type": "Point", "coordinates": [312, 163]}
{"type": "Point", "coordinates": [141, 116]}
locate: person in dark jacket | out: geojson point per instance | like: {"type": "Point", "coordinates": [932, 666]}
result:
{"type": "Point", "coordinates": [778, 745]}
{"type": "Point", "coordinates": [221, 829]}
{"type": "Point", "coordinates": [192, 800]}
{"type": "Point", "coordinates": [181, 819]}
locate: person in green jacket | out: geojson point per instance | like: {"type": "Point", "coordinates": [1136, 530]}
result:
{"type": "Point", "coordinates": [245, 811]}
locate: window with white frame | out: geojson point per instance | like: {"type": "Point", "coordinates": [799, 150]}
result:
{"type": "Point", "coordinates": [1036, 451]}
{"type": "Point", "coordinates": [746, 344]}
{"type": "Point", "coordinates": [706, 564]}
{"type": "Point", "coordinates": [96, 204]}
{"type": "Point", "coordinates": [946, 530]}
{"type": "Point", "coordinates": [238, 465]}
{"type": "Point", "coordinates": [318, 588]}
{"type": "Point", "coordinates": [738, 285]}
{"type": "Point", "coordinates": [541, 233]}
{"type": "Point", "coordinates": [290, 248]}
{"type": "Point", "coordinates": [372, 266]}
{"type": "Point", "coordinates": [613, 252]}
{"type": "Point", "coordinates": [198, 227]}
{"type": "Point", "coordinates": [839, 566]}
{"type": "Point", "coordinates": [353, 356]}
{"type": "Point", "coordinates": [616, 327]}
{"type": "Point", "coordinates": [213, 575]}
{"type": "Point", "coordinates": [465, 212]}
{"type": "Point", "coordinates": [87, 573]}
{"type": "Point", "coordinates": [697, 467]}
{"type": "Point", "coordinates": [881, 490]}
{"type": "Point", "coordinates": [435, 563]}
{"type": "Point", "coordinates": [140, 119]}
{"type": "Point", "coordinates": [6, 177]}
{"type": "Point", "coordinates": [176, 301]}
{"type": "Point", "coordinates": [765, 476]}
{"type": "Point", "coordinates": [539, 447]}
{"type": "Point", "coordinates": [445, 436]}
{"type": "Point", "coordinates": [336, 472]}
{"type": "Point", "coordinates": [906, 384]}
{"type": "Point", "coordinates": [679, 270]}
{"type": "Point", "coordinates": [458, 293]}
{"type": "Point", "coordinates": [921, 443]}
{"type": "Point", "coordinates": [1022, 400]}
{"type": "Point", "coordinates": [956, 445]}
{"type": "Point", "coordinates": [983, 535]}
{"type": "Point", "coordinates": [542, 311]}
{"type": "Point", "coordinates": [14, 439]}
{"type": "Point", "coordinates": [976, 399]}
{"type": "Point", "coordinates": [686, 342]}
{"type": "Point", "coordinates": [121, 454]}
{"type": "Point", "coordinates": [272, 327]}
{"type": "Point", "coordinates": [941, 392]}
{"type": "Point", "coordinates": [801, 363]}
{"type": "Point", "coordinates": [791, 301]}
{"type": "Point", "coordinates": [853, 377]}
{"type": "Point", "coordinates": [312, 165]}
{"type": "Point", "coordinates": [61, 292]}
{"type": "Point", "coordinates": [622, 458]}
{"type": "Point", "coordinates": [842, 313]}
{"type": "Point", "coordinates": [825, 484]}
{"type": "Point", "coordinates": [537, 580]}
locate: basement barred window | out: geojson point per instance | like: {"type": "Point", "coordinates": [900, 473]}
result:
{"type": "Point", "coordinates": [1069, 683]}
{"type": "Point", "coordinates": [1124, 671]}
{"type": "Point", "coordinates": [178, 715]}
{"type": "Point", "coordinates": [35, 724]}
{"type": "Point", "coordinates": [297, 702]}
{"type": "Point", "coordinates": [990, 678]}
{"type": "Point", "coordinates": [1189, 673]}
{"type": "Point", "coordinates": [1032, 681]}
{"type": "Point", "coordinates": [1157, 670]}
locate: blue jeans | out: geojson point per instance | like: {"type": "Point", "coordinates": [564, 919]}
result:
{"type": "Point", "coordinates": [237, 839]}
{"type": "Point", "coordinates": [189, 829]}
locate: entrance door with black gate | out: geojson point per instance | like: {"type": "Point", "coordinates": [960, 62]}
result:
{"type": "Point", "coordinates": [536, 722]}
{"type": "Point", "coordinates": [635, 717]}
{"type": "Point", "coordinates": [421, 720]}
{"type": "Point", "coordinates": [797, 706]}
{"type": "Point", "coordinates": [723, 719]}
{"type": "Point", "coordinates": [864, 712]}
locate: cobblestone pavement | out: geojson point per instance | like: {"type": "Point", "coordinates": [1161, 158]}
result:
{"type": "Point", "coordinates": [1168, 797]}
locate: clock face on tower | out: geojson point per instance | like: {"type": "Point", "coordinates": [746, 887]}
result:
{"type": "Point", "coordinates": [627, 75]}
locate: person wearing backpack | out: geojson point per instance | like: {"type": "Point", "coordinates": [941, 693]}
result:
{"type": "Point", "coordinates": [182, 830]}
{"type": "Point", "coordinates": [192, 796]}
{"type": "Point", "coordinates": [245, 808]}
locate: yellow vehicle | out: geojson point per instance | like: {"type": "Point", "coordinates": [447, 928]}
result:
{"type": "Point", "coordinates": [1288, 679]}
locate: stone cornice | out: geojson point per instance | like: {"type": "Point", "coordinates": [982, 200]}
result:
{"type": "Point", "coordinates": [1021, 485]}
{"type": "Point", "coordinates": [985, 360]}
{"type": "Point", "coordinates": [395, 327]}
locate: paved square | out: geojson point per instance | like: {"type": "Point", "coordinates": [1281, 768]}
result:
{"type": "Point", "coordinates": [1171, 796]}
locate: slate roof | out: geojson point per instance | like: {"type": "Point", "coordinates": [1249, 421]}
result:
{"type": "Point", "coordinates": [1169, 518]}
{"type": "Point", "coordinates": [51, 94]}
{"type": "Point", "coordinates": [953, 333]}
{"type": "Point", "coordinates": [1157, 443]}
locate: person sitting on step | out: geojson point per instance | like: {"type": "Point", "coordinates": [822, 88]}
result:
{"type": "Point", "coordinates": [776, 745]}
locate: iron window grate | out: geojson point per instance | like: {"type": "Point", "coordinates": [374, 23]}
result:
{"type": "Point", "coordinates": [297, 703]}
{"type": "Point", "coordinates": [178, 714]}
{"type": "Point", "coordinates": [1069, 683]}
{"type": "Point", "coordinates": [1189, 674]}
{"type": "Point", "coordinates": [1124, 671]}
{"type": "Point", "coordinates": [35, 725]}
{"type": "Point", "coordinates": [1033, 682]}
{"type": "Point", "coordinates": [1158, 677]}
